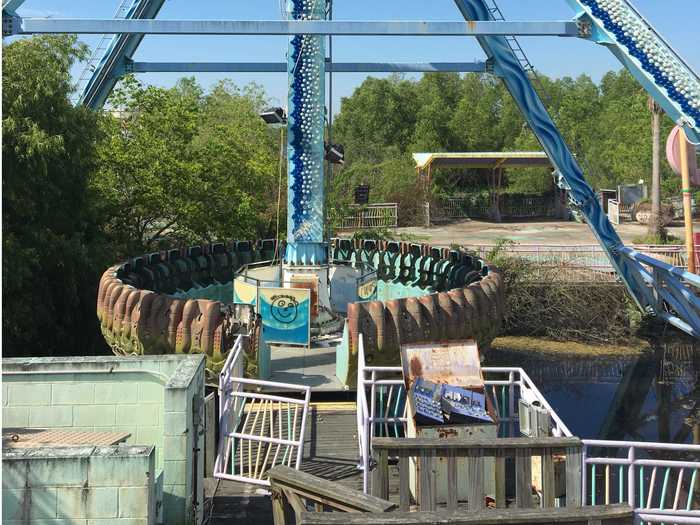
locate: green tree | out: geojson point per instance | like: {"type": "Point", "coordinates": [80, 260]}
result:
{"type": "Point", "coordinates": [380, 114]}
{"type": "Point", "coordinates": [51, 233]}
{"type": "Point", "coordinates": [179, 165]}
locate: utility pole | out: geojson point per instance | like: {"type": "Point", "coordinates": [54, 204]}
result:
{"type": "Point", "coordinates": [656, 227]}
{"type": "Point", "coordinates": [687, 202]}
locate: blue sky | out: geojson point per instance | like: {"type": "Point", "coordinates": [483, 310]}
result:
{"type": "Point", "coordinates": [677, 20]}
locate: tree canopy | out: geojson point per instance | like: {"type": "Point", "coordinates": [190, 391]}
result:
{"type": "Point", "coordinates": [606, 125]}
{"type": "Point", "coordinates": [50, 232]}
{"type": "Point", "coordinates": [181, 165]}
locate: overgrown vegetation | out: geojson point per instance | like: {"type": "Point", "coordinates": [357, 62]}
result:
{"type": "Point", "coordinates": [83, 189]}
{"type": "Point", "coordinates": [607, 126]}
{"type": "Point", "coordinates": [540, 303]}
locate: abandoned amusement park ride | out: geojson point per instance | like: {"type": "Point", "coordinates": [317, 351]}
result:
{"type": "Point", "coordinates": [280, 321]}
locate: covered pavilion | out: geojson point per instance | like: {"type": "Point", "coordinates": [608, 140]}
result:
{"type": "Point", "coordinates": [494, 163]}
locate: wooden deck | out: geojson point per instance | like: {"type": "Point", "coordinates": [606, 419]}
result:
{"type": "Point", "coordinates": [330, 452]}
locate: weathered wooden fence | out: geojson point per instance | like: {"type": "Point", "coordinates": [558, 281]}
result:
{"type": "Point", "coordinates": [425, 451]}
{"type": "Point", "coordinates": [301, 498]}
{"type": "Point", "coordinates": [382, 215]}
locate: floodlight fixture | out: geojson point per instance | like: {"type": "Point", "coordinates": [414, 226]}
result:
{"type": "Point", "coordinates": [275, 115]}
{"type": "Point", "coordinates": [335, 153]}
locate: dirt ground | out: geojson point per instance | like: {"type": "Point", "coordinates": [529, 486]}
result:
{"type": "Point", "coordinates": [473, 232]}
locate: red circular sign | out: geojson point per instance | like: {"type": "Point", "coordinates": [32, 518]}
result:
{"type": "Point", "coordinates": [673, 155]}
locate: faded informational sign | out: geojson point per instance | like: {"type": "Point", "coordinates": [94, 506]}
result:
{"type": "Point", "coordinates": [244, 292]}
{"type": "Point", "coordinates": [444, 383]}
{"type": "Point", "coordinates": [286, 315]}
{"type": "Point", "coordinates": [454, 363]}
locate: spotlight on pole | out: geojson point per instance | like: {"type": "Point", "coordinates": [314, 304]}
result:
{"type": "Point", "coordinates": [274, 116]}
{"type": "Point", "coordinates": [335, 153]}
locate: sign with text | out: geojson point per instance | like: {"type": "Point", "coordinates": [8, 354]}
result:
{"type": "Point", "coordinates": [286, 315]}
{"type": "Point", "coordinates": [445, 384]}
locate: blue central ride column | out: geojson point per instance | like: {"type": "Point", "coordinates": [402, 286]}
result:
{"type": "Point", "coordinates": [305, 141]}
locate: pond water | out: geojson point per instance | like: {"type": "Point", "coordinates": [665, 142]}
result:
{"type": "Point", "coordinates": [652, 396]}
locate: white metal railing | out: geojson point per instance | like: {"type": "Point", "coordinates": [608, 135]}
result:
{"type": "Point", "coordinates": [581, 262]}
{"type": "Point", "coordinates": [658, 480]}
{"type": "Point", "coordinates": [381, 404]}
{"type": "Point", "coordinates": [257, 430]}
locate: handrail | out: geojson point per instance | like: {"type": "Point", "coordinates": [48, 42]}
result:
{"type": "Point", "coordinates": [459, 445]}
{"type": "Point", "coordinates": [331, 494]}
{"type": "Point", "coordinates": [660, 265]}
{"type": "Point", "coordinates": [261, 433]}
{"type": "Point", "coordinates": [620, 473]}
{"type": "Point", "coordinates": [608, 515]}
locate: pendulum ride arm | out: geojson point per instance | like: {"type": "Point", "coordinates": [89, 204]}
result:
{"type": "Point", "coordinates": [518, 84]}
{"type": "Point", "coordinates": [617, 25]}
{"type": "Point", "coordinates": [116, 56]}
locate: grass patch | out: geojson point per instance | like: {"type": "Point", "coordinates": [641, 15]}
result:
{"type": "Point", "coordinates": [657, 239]}
{"type": "Point", "coordinates": [547, 347]}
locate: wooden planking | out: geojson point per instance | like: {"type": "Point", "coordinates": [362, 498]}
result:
{"type": "Point", "coordinates": [548, 487]}
{"type": "Point", "coordinates": [523, 478]}
{"type": "Point", "coordinates": [278, 507]}
{"type": "Point", "coordinates": [404, 489]}
{"type": "Point", "coordinates": [606, 514]}
{"type": "Point", "coordinates": [300, 482]}
{"type": "Point", "coordinates": [427, 497]}
{"type": "Point", "coordinates": [452, 486]}
{"type": "Point", "coordinates": [475, 473]}
{"type": "Point", "coordinates": [380, 476]}
{"type": "Point", "coordinates": [573, 477]}
{"type": "Point", "coordinates": [462, 445]}
{"type": "Point", "coordinates": [500, 473]}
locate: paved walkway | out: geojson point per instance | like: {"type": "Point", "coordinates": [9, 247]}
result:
{"type": "Point", "coordinates": [471, 232]}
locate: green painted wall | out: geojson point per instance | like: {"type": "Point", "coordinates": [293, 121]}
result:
{"type": "Point", "coordinates": [156, 399]}
{"type": "Point", "coordinates": [86, 485]}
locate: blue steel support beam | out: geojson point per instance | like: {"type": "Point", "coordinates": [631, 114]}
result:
{"type": "Point", "coordinates": [306, 61]}
{"type": "Point", "coordinates": [120, 50]}
{"type": "Point", "coordinates": [563, 28]}
{"type": "Point", "coordinates": [532, 108]}
{"type": "Point", "coordinates": [281, 67]}
{"type": "Point", "coordinates": [10, 6]}
{"type": "Point", "coordinates": [652, 61]}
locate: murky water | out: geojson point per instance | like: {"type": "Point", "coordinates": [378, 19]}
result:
{"type": "Point", "coordinates": [654, 396]}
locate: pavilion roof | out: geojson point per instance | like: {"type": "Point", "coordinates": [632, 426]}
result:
{"type": "Point", "coordinates": [483, 159]}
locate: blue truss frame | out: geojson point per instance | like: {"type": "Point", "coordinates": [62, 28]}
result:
{"type": "Point", "coordinates": [120, 51]}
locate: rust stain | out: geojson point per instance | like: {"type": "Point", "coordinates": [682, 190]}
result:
{"type": "Point", "coordinates": [447, 433]}
{"type": "Point", "coordinates": [471, 25]}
